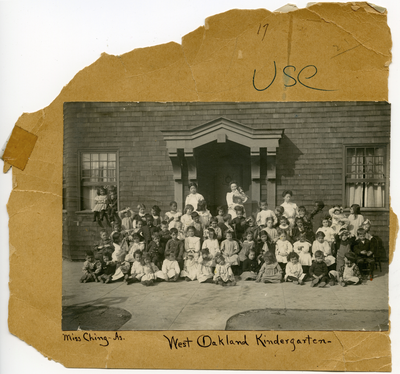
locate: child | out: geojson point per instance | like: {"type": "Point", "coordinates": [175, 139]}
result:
{"type": "Point", "coordinates": [279, 210]}
{"type": "Point", "coordinates": [136, 245]}
{"type": "Point", "coordinates": [155, 212]}
{"type": "Point", "coordinates": [270, 271]}
{"type": "Point", "coordinates": [192, 243]}
{"type": "Point", "coordinates": [272, 233]}
{"type": "Point", "coordinates": [265, 213]}
{"type": "Point", "coordinates": [174, 212]}
{"type": "Point", "coordinates": [300, 228]}
{"type": "Point", "coordinates": [320, 244]}
{"type": "Point", "coordinates": [197, 226]}
{"type": "Point", "coordinates": [177, 246]}
{"type": "Point", "coordinates": [247, 245]}
{"type": "Point", "coordinates": [285, 227]}
{"type": "Point", "coordinates": [170, 267]}
{"type": "Point", "coordinates": [221, 214]}
{"type": "Point", "coordinates": [305, 217]}
{"type": "Point", "coordinates": [283, 248]}
{"type": "Point", "coordinates": [328, 231]}
{"type": "Point", "coordinates": [336, 214]}
{"type": "Point", "coordinates": [302, 248]}
{"type": "Point", "coordinates": [341, 246]}
{"type": "Point", "coordinates": [137, 270]}
{"type": "Point", "coordinates": [105, 245]}
{"type": "Point", "coordinates": [177, 224]}
{"type": "Point", "coordinates": [230, 249]}
{"type": "Point", "coordinates": [155, 250]}
{"type": "Point", "coordinates": [252, 228]}
{"type": "Point", "coordinates": [376, 242]}
{"type": "Point", "coordinates": [226, 227]}
{"type": "Point", "coordinates": [112, 208]}
{"type": "Point", "coordinates": [204, 213]}
{"type": "Point", "coordinates": [186, 219]}
{"type": "Point", "coordinates": [148, 230]}
{"type": "Point", "coordinates": [108, 269]}
{"type": "Point", "coordinates": [319, 271]}
{"type": "Point", "coordinates": [223, 274]}
{"type": "Point", "coordinates": [151, 271]}
{"type": "Point", "coordinates": [206, 264]}
{"type": "Point", "coordinates": [239, 223]}
{"type": "Point", "coordinates": [91, 268]}
{"type": "Point", "coordinates": [216, 228]}
{"type": "Point", "coordinates": [294, 270]}
{"type": "Point", "coordinates": [100, 207]}
{"type": "Point", "coordinates": [140, 216]}
{"type": "Point", "coordinates": [126, 216]}
{"type": "Point", "coordinates": [363, 252]}
{"type": "Point", "coordinates": [250, 266]}
{"type": "Point", "coordinates": [349, 273]}
{"type": "Point", "coordinates": [355, 219]}
{"type": "Point", "coordinates": [119, 250]}
{"type": "Point", "coordinates": [211, 244]}
{"type": "Point", "coordinates": [190, 268]}
{"type": "Point", "coordinates": [263, 246]}
{"type": "Point", "coordinates": [317, 214]}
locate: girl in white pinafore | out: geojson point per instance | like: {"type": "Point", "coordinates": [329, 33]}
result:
{"type": "Point", "coordinates": [211, 244]}
{"type": "Point", "coordinates": [151, 271]}
{"type": "Point", "coordinates": [230, 250]}
{"type": "Point", "coordinates": [291, 209]}
{"type": "Point", "coordinates": [303, 248]}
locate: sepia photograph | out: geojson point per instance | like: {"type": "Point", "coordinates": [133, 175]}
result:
{"type": "Point", "coordinates": [226, 216]}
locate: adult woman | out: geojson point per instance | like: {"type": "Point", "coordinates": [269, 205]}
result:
{"type": "Point", "coordinates": [234, 198]}
{"type": "Point", "coordinates": [193, 198]}
{"type": "Point", "coordinates": [291, 209]}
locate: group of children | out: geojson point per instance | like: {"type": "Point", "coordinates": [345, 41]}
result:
{"type": "Point", "coordinates": [267, 248]}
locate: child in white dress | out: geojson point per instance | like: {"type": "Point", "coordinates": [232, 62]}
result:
{"type": "Point", "coordinates": [247, 245]}
{"type": "Point", "coordinates": [192, 244]}
{"type": "Point", "coordinates": [151, 271]}
{"type": "Point", "coordinates": [204, 213]}
{"type": "Point", "coordinates": [137, 245]}
{"type": "Point", "coordinates": [211, 244]}
{"type": "Point", "coordinates": [100, 207]}
{"type": "Point", "coordinates": [140, 216]}
{"type": "Point", "coordinates": [126, 215]}
{"type": "Point", "coordinates": [320, 244]}
{"type": "Point", "coordinates": [294, 270]}
{"type": "Point", "coordinates": [230, 250]}
{"type": "Point", "coordinates": [264, 214]}
{"type": "Point", "coordinates": [170, 267]}
{"type": "Point", "coordinates": [336, 214]}
{"type": "Point", "coordinates": [186, 219]}
{"type": "Point", "coordinates": [174, 212]}
{"type": "Point", "coordinates": [355, 218]}
{"type": "Point", "coordinates": [282, 249]}
{"type": "Point", "coordinates": [327, 230]}
{"type": "Point", "coordinates": [223, 274]}
{"type": "Point", "coordinates": [190, 268]}
{"type": "Point", "coordinates": [303, 249]}
{"type": "Point", "coordinates": [206, 264]}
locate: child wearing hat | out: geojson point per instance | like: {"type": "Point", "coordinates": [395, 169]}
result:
{"type": "Point", "coordinates": [341, 246]}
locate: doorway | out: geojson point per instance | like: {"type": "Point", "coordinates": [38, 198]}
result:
{"type": "Point", "coordinates": [217, 165]}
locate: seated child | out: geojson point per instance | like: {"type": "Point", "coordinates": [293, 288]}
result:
{"type": "Point", "coordinates": [349, 273]}
{"type": "Point", "coordinates": [239, 223]}
{"type": "Point", "coordinates": [151, 271]}
{"type": "Point", "coordinates": [192, 244]}
{"type": "Point", "coordinates": [206, 263]}
{"type": "Point", "coordinates": [319, 271]}
{"type": "Point", "coordinates": [226, 226]}
{"type": "Point", "coordinates": [197, 225]}
{"type": "Point", "coordinates": [230, 250]}
{"type": "Point", "coordinates": [223, 274]}
{"type": "Point", "coordinates": [303, 249]}
{"type": "Point", "coordinates": [320, 244]}
{"type": "Point", "coordinates": [263, 246]}
{"type": "Point", "coordinates": [272, 233]}
{"type": "Point", "coordinates": [177, 246]}
{"type": "Point", "coordinates": [301, 229]}
{"type": "Point", "coordinates": [355, 219]}
{"type": "Point", "coordinates": [105, 245]}
{"type": "Point", "coordinates": [108, 269]}
{"type": "Point", "coordinates": [343, 244]}
{"type": "Point", "coordinates": [148, 229]}
{"type": "Point", "coordinates": [155, 250]}
{"type": "Point", "coordinates": [204, 213]}
{"type": "Point", "coordinates": [305, 217]}
{"type": "Point", "coordinates": [126, 216]}
{"type": "Point", "coordinates": [285, 227]}
{"type": "Point", "coordinates": [216, 228]}
{"type": "Point", "coordinates": [136, 245]}
{"type": "Point", "coordinates": [91, 268]}
{"type": "Point", "coordinates": [119, 249]}
{"type": "Point", "coordinates": [190, 268]}
{"type": "Point", "coordinates": [282, 249]}
{"type": "Point", "coordinates": [155, 212]}
{"type": "Point", "coordinates": [186, 219]}
{"type": "Point", "coordinates": [170, 267]}
{"type": "Point", "coordinates": [279, 210]}
{"type": "Point", "coordinates": [174, 212]}
{"type": "Point", "coordinates": [211, 244]}
{"type": "Point", "coordinates": [336, 214]}
{"type": "Point", "coordinates": [165, 234]}
{"type": "Point", "coordinates": [137, 270]}
{"type": "Point", "coordinates": [247, 245]}
{"type": "Point", "coordinates": [327, 230]}
{"type": "Point", "coordinates": [376, 242]}
{"type": "Point", "coordinates": [365, 256]}
{"type": "Point", "coordinates": [264, 214]}
{"type": "Point", "coordinates": [252, 228]}
{"type": "Point", "coordinates": [270, 271]}
{"type": "Point", "coordinates": [294, 270]}
{"type": "Point", "coordinates": [250, 266]}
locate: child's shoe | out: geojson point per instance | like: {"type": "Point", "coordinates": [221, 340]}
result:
{"type": "Point", "coordinates": [295, 282]}
{"type": "Point", "coordinates": [301, 283]}
{"type": "Point", "coordinates": [314, 282]}
{"type": "Point", "coordinates": [187, 279]}
{"type": "Point", "coordinates": [322, 284]}
{"type": "Point", "coordinates": [343, 284]}
{"type": "Point", "coordinates": [331, 282]}
{"type": "Point", "coordinates": [107, 280]}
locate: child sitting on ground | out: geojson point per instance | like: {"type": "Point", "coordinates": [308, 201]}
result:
{"type": "Point", "coordinates": [230, 250]}
{"type": "Point", "coordinates": [223, 274]}
{"type": "Point", "coordinates": [103, 246]}
{"type": "Point", "coordinates": [343, 244]}
{"type": "Point", "coordinates": [155, 250]}
{"type": "Point", "coordinates": [119, 245]}
{"type": "Point", "coordinates": [349, 273]}
{"type": "Point", "coordinates": [151, 271]}
{"type": "Point", "coordinates": [319, 271]}
{"type": "Point", "coordinates": [206, 263]}
{"type": "Point", "coordinates": [270, 271]}
{"type": "Point", "coordinates": [247, 245]}
{"type": "Point", "coordinates": [192, 243]}
{"type": "Point", "coordinates": [211, 244]}
{"type": "Point", "coordinates": [136, 271]}
{"type": "Point", "coordinates": [91, 268]}
{"type": "Point", "coordinates": [170, 267]}
{"type": "Point", "coordinates": [177, 246]}
{"type": "Point", "coordinates": [303, 249]}
{"type": "Point", "coordinates": [108, 269]}
{"type": "Point", "coordinates": [190, 268]}
{"type": "Point", "coordinates": [136, 245]}
{"type": "Point", "coordinates": [327, 230]}
{"type": "Point", "coordinates": [250, 266]}
{"type": "Point", "coordinates": [294, 270]}
{"type": "Point", "coordinates": [263, 246]}
{"type": "Point", "coordinates": [264, 214]}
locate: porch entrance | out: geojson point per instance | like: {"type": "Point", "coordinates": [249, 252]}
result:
{"type": "Point", "coordinates": [217, 165]}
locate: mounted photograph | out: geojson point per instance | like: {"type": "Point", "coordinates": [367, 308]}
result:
{"type": "Point", "coordinates": [260, 216]}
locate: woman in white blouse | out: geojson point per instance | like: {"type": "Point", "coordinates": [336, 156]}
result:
{"type": "Point", "coordinates": [193, 198]}
{"type": "Point", "coordinates": [233, 197]}
{"type": "Point", "coordinates": [291, 209]}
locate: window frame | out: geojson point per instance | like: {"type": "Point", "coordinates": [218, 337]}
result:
{"type": "Point", "coordinates": [386, 147]}
{"type": "Point", "coordinates": [79, 177]}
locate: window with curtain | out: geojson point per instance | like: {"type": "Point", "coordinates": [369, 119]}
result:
{"type": "Point", "coordinates": [365, 173]}
{"type": "Point", "coordinates": [98, 169]}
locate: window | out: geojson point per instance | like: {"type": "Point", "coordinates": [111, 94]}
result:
{"type": "Point", "coordinates": [97, 169]}
{"type": "Point", "coordinates": [366, 176]}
